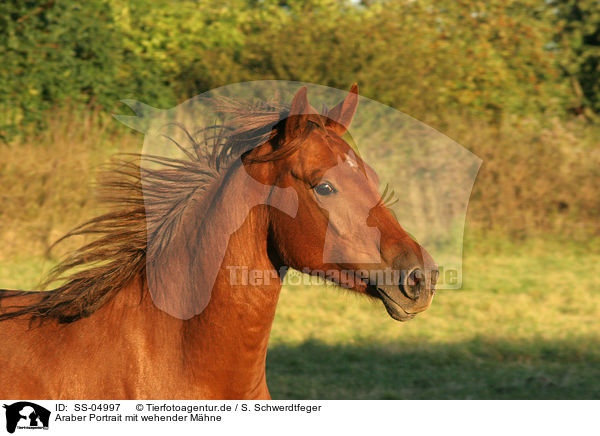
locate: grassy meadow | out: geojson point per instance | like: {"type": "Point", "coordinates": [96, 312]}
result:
{"type": "Point", "coordinates": [526, 323]}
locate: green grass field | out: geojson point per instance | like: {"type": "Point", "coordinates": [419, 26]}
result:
{"type": "Point", "coordinates": [525, 325]}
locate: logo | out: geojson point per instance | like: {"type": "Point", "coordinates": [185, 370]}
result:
{"type": "Point", "coordinates": [26, 415]}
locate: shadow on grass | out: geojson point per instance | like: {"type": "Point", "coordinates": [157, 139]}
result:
{"type": "Point", "coordinates": [479, 369]}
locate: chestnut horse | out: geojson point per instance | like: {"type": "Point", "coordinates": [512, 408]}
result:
{"type": "Point", "coordinates": [100, 335]}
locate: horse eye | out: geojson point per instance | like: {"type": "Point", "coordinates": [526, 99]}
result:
{"type": "Point", "coordinates": [324, 189]}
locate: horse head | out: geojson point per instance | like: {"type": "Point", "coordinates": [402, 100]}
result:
{"type": "Point", "coordinates": [342, 228]}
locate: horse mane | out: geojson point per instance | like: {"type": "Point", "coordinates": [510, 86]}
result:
{"type": "Point", "coordinates": [125, 237]}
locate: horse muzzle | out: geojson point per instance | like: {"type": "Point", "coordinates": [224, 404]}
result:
{"type": "Point", "coordinates": [411, 295]}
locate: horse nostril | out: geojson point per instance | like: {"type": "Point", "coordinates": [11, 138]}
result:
{"type": "Point", "coordinates": [413, 284]}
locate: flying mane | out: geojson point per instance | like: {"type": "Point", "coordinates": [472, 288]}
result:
{"type": "Point", "coordinates": [97, 271]}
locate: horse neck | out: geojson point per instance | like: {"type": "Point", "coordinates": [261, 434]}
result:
{"type": "Point", "coordinates": [228, 339]}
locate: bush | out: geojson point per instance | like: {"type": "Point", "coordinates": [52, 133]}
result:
{"type": "Point", "coordinates": [579, 36]}
{"type": "Point", "coordinates": [427, 58]}
{"type": "Point", "coordinates": [430, 59]}
{"type": "Point", "coordinates": [54, 51]}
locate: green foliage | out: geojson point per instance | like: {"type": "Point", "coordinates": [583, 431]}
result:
{"type": "Point", "coordinates": [428, 58]}
{"type": "Point", "coordinates": [579, 22]}
{"type": "Point", "coordinates": [57, 50]}
{"type": "Point", "coordinates": [440, 57]}
{"type": "Point", "coordinates": [172, 36]}
{"type": "Point", "coordinates": [424, 57]}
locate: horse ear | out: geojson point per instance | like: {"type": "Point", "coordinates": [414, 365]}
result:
{"type": "Point", "coordinates": [340, 117]}
{"type": "Point", "coordinates": [299, 112]}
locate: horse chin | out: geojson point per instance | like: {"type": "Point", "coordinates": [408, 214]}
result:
{"type": "Point", "coordinates": [395, 310]}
